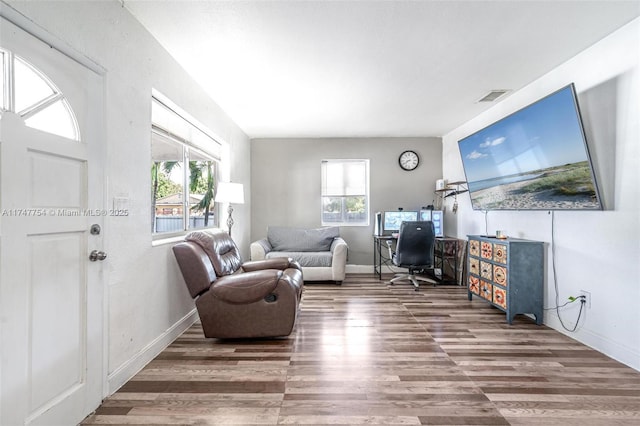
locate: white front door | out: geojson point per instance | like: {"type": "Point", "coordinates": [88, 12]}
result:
{"type": "Point", "coordinates": [51, 294]}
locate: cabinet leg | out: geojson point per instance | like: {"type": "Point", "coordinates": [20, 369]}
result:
{"type": "Point", "coordinates": [538, 318]}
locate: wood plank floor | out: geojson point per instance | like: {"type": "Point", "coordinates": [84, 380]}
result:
{"type": "Point", "coordinates": [370, 353]}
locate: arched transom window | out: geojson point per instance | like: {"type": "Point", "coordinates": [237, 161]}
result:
{"type": "Point", "coordinates": [30, 94]}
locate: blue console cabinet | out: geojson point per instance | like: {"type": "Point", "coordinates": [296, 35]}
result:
{"type": "Point", "coordinates": [508, 273]}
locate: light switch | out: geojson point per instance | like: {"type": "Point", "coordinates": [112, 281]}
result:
{"type": "Point", "coordinates": [121, 203]}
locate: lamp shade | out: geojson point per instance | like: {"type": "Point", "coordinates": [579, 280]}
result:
{"type": "Point", "coordinates": [228, 192]}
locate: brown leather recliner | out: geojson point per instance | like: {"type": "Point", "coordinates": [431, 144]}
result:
{"type": "Point", "coordinates": [236, 299]}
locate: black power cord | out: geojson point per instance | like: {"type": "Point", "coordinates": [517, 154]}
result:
{"type": "Point", "coordinates": [582, 299]}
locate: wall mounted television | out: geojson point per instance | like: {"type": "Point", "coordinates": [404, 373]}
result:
{"type": "Point", "coordinates": [534, 159]}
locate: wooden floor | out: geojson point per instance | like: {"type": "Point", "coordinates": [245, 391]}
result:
{"type": "Point", "coordinates": [370, 353]}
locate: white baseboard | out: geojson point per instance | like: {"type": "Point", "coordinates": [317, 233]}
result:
{"type": "Point", "coordinates": [359, 269]}
{"type": "Point", "coordinates": [132, 366]}
{"type": "Point", "coordinates": [623, 354]}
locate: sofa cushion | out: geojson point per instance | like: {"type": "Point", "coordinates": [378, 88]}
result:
{"type": "Point", "coordinates": [306, 258]}
{"type": "Point", "coordinates": [289, 239]}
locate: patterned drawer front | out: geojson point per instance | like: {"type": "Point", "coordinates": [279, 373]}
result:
{"type": "Point", "coordinates": [500, 253]}
{"type": "Point", "coordinates": [500, 275]}
{"type": "Point", "coordinates": [474, 248]}
{"type": "Point", "coordinates": [474, 284]}
{"type": "Point", "coordinates": [500, 297]}
{"type": "Point", "coordinates": [486, 250]}
{"type": "Point", "coordinates": [485, 270]}
{"type": "Point", "coordinates": [486, 290]}
{"type": "Point", "coordinates": [508, 274]}
{"type": "Point", "coordinates": [474, 266]}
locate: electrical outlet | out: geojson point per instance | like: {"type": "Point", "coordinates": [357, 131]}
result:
{"type": "Point", "coordinates": [587, 297]}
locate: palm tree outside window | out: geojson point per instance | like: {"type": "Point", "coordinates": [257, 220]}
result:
{"type": "Point", "coordinates": [184, 171]}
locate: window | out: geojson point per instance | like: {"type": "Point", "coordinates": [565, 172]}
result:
{"type": "Point", "coordinates": [29, 93]}
{"type": "Point", "coordinates": [184, 164]}
{"type": "Point", "coordinates": [345, 192]}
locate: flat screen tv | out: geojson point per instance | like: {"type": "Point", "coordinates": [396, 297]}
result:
{"type": "Point", "coordinates": [534, 159]}
{"type": "Point", "coordinates": [393, 219]}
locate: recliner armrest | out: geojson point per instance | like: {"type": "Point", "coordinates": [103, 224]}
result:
{"type": "Point", "coordinates": [248, 287]}
{"type": "Point", "coordinates": [280, 263]}
{"type": "Point", "coordinates": [251, 287]}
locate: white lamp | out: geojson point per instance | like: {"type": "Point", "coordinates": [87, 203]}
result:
{"type": "Point", "coordinates": [232, 193]}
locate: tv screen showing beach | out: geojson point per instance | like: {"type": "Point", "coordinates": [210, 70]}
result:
{"type": "Point", "coordinates": [533, 159]}
{"type": "Point", "coordinates": [393, 219]}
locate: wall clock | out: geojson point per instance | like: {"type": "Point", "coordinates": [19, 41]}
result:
{"type": "Point", "coordinates": [409, 160]}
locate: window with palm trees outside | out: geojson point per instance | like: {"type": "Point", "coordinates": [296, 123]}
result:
{"type": "Point", "coordinates": [183, 173]}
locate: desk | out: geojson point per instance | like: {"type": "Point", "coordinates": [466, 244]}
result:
{"type": "Point", "coordinates": [445, 260]}
{"type": "Point", "coordinates": [446, 264]}
{"type": "Point", "coordinates": [381, 253]}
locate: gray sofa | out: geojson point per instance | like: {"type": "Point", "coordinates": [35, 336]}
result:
{"type": "Point", "coordinates": [321, 252]}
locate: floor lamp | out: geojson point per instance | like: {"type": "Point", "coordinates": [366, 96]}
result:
{"type": "Point", "coordinates": [232, 193]}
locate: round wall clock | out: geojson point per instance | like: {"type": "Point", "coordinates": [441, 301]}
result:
{"type": "Point", "coordinates": [409, 160]}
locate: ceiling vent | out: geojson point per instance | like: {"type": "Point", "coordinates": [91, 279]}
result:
{"type": "Point", "coordinates": [493, 95]}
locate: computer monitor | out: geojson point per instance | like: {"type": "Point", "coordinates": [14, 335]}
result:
{"type": "Point", "coordinates": [393, 219]}
{"type": "Point", "coordinates": [436, 217]}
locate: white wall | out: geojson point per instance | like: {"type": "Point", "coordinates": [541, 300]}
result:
{"type": "Point", "coordinates": [286, 183]}
{"type": "Point", "coordinates": [594, 251]}
{"type": "Point", "coordinates": [148, 304]}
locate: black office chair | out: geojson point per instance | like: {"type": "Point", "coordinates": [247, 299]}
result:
{"type": "Point", "coordinates": [414, 250]}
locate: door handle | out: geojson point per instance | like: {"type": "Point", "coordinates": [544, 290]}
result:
{"type": "Point", "coordinates": [97, 255]}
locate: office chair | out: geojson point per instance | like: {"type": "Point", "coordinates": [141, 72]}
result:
{"type": "Point", "coordinates": [414, 250]}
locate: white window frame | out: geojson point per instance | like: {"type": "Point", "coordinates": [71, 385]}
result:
{"type": "Point", "coordinates": [179, 129]}
{"type": "Point", "coordinates": [35, 112]}
{"type": "Point", "coordinates": [344, 193]}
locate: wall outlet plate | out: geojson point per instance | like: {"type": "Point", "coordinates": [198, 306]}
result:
{"type": "Point", "coordinates": [587, 297]}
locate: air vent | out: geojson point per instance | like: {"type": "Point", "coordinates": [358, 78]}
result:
{"type": "Point", "coordinates": [493, 95]}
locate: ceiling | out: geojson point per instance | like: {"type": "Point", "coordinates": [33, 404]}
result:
{"type": "Point", "coordinates": [370, 68]}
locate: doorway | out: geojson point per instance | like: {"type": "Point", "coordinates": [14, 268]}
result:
{"type": "Point", "coordinates": [51, 220]}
